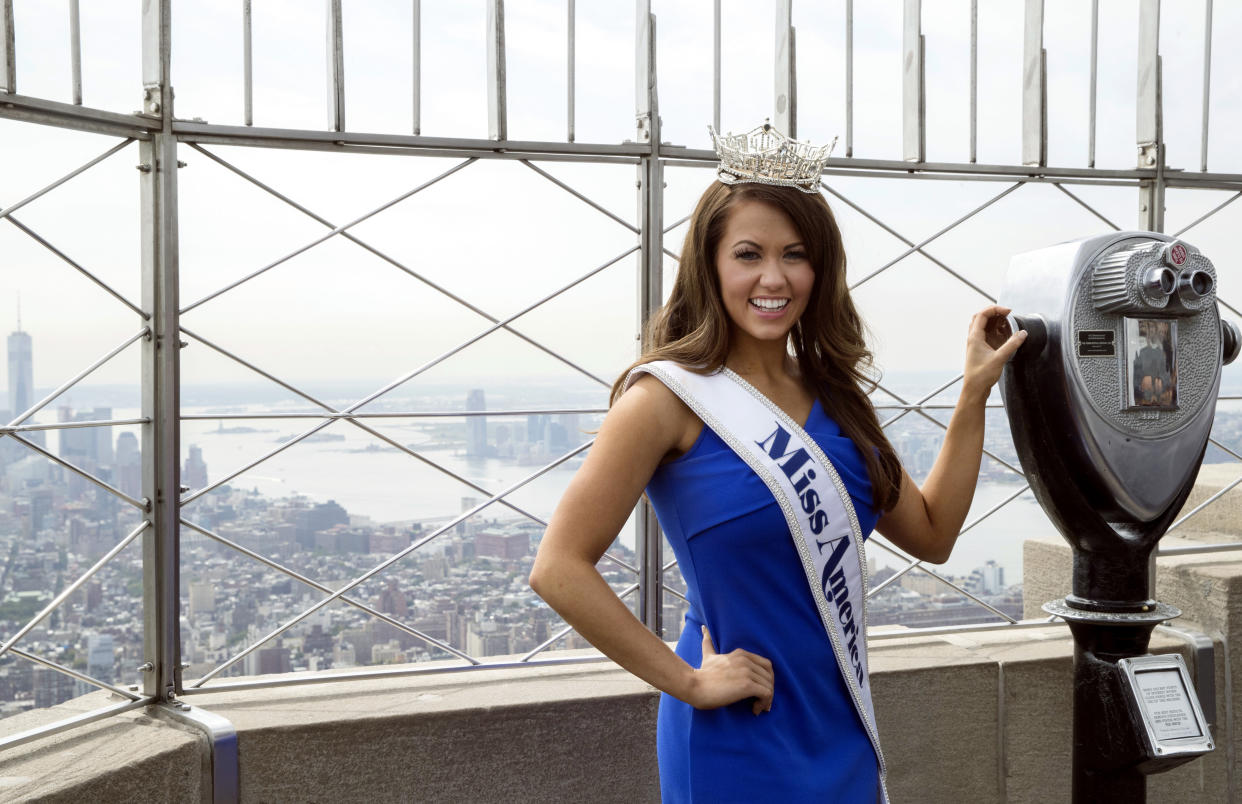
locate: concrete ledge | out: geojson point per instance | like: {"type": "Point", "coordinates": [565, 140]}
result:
{"type": "Point", "coordinates": [130, 757]}
{"type": "Point", "coordinates": [540, 734]}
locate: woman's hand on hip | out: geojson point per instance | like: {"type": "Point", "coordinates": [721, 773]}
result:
{"type": "Point", "coordinates": [725, 678]}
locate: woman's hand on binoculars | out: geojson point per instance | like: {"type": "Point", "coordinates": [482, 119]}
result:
{"type": "Point", "coordinates": [989, 345]}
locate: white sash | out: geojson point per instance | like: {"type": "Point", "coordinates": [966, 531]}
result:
{"type": "Point", "coordinates": [816, 504]}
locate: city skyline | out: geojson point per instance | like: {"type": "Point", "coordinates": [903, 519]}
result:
{"type": "Point", "coordinates": [463, 591]}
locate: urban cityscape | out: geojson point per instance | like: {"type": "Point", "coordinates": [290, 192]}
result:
{"type": "Point", "coordinates": [462, 591]}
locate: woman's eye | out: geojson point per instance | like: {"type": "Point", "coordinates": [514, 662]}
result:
{"type": "Point", "coordinates": [746, 255]}
{"type": "Point", "coordinates": [796, 255]}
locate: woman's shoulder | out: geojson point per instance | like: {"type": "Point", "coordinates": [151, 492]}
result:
{"type": "Point", "coordinates": [647, 396]}
{"type": "Point", "coordinates": [650, 408]}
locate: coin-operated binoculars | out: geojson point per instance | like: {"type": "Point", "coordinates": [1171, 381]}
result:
{"type": "Point", "coordinates": [1110, 401]}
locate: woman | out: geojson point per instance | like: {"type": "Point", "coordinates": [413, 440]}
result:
{"type": "Point", "coordinates": [766, 696]}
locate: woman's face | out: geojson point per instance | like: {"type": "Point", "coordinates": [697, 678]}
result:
{"type": "Point", "coordinates": [765, 273]}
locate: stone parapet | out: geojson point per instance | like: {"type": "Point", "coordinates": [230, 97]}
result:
{"type": "Point", "coordinates": [978, 716]}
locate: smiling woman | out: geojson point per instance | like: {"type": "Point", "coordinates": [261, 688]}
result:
{"type": "Point", "coordinates": [765, 275]}
{"type": "Point", "coordinates": [763, 458]}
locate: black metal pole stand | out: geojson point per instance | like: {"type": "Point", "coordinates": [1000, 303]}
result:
{"type": "Point", "coordinates": [1111, 618]}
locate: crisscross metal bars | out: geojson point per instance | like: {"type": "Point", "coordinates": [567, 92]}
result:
{"type": "Point", "coordinates": [920, 408]}
{"type": "Point", "coordinates": [390, 561]}
{"type": "Point", "coordinates": [408, 376]}
{"type": "Point", "coordinates": [18, 426]}
{"type": "Point", "coordinates": [334, 414]}
{"type": "Point", "coordinates": [7, 214]}
{"type": "Point", "coordinates": [335, 231]}
{"type": "Point", "coordinates": [73, 587]}
{"type": "Point", "coordinates": [1210, 499]}
{"type": "Point", "coordinates": [920, 565]}
{"type": "Point", "coordinates": [414, 632]}
{"type": "Point", "coordinates": [15, 427]}
{"type": "Point", "coordinates": [564, 632]}
{"type": "Point", "coordinates": [404, 268]}
{"type": "Point", "coordinates": [145, 332]}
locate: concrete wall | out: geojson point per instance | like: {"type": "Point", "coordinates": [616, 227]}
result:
{"type": "Point", "coordinates": [977, 717]}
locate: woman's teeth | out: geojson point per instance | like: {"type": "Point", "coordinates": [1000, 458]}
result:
{"type": "Point", "coordinates": [769, 304]}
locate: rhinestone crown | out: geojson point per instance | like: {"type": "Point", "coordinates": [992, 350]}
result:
{"type": "Point", "coordinates": [766, 156]}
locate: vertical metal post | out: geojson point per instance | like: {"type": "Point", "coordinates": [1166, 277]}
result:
{"type": "Point", "coordinates": [160, 365]}
{"type": "Point", "coordinates": [336, 67]}
{"type": "Point", "coordinates": [247, 66]}
{"type": "Point", "coordinates": [497, 115]}
{"type": "Point", "coordinates": [849, 77]}
{"type": "Point", "coordinates": [1095, 41]}
{"type": "Point", "coordinates": [8, 60]}
{"type": "Point", "coordinates": [417, 46]}
{"type": "Point", "coordinates": [75, 51]}
{"type": "Point", "coordinates": [645, 74]}
{"type": "Point", "coordinates": [785, 115]}
{"type": "Point", "coordinates": [913, 103]}
{"type": "Point", "coordinates": [1149, 123]}
{"type": "Point", "coordinates": [1207, 84]}
{"type": "Point", "coordinates": [974, 80]}
{"type": "Point", "coordinates": [570, 70]}
{"type": "Point", "coordinates": [716, 65]}
{"type": "Point", "coordinates": [1034, 89]}
{"type": "Point", "coordinates": [649, 540]}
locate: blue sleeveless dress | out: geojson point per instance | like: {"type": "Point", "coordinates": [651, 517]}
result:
{"type": "Point", "coordinates": [746, 583]}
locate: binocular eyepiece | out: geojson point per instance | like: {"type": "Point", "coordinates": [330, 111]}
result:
{"type": "Point", "coordinates": [1152, 276]}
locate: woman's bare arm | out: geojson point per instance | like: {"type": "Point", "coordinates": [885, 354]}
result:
{"type": "Point", "coordinates": [925, 522]}
{"type": "Point", "coordinates": [644, 425]}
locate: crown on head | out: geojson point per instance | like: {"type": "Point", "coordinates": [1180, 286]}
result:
{"type": "Point", "coordinates": [766, 156]}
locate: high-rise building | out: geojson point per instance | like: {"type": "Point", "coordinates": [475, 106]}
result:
{"type": "Point", "coordinates": [501, 545]}
{"type": "Point", "coordinates": [128, 464]}
{"type": "Point", "coordinates": [87, 446]}
{"type": "Point", "coordinates": [476, 426]}
{"type": "Point", "coordinates": [51, 687]}
{"type": "Point", "coordinates": [101, 656]}
{"type": "Point", "coordinates": [573, 431]}
{"type": "Point", "coordinates": [194, 474]}
{"type": "Point", "coordinates": [987, 580]}
{"type": "Point", "coordinates": [21, 378]}
{"type": "Point", "coordinates": [21, 372]}
{"type": "Point", "coordinates": [202, 597]}
{"type": "Point", "coordinates": [537, 427]}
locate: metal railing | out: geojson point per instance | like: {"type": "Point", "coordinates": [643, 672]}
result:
{"type": "Point", "coordinates": [161, 137]}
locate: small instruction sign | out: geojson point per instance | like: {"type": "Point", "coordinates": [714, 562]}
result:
{"type": "Point", "coordinates": [1168, 704]}
{"type": "Point", "coordinates": [1096, 343]}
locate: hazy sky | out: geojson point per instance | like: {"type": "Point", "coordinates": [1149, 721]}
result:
{"type": "Point", "coordinates": [502, 235]}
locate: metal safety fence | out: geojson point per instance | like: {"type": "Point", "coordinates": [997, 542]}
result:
{"type": "Point", "coordinates": [165, 509]}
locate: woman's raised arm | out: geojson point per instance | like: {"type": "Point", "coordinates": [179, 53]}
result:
{"type": "Point", "coordinates": [645, 424]}
{"type": "Point", "coordinates": [925, 522]}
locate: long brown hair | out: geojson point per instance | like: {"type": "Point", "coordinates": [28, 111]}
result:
{"type": "Point", "coordinates": [692, 328]}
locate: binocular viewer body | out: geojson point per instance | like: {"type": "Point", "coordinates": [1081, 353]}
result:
{"type": "Point", "coordinates": [1111, 401]}
{"type": "Point", "coordinates": [1111, 398]}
